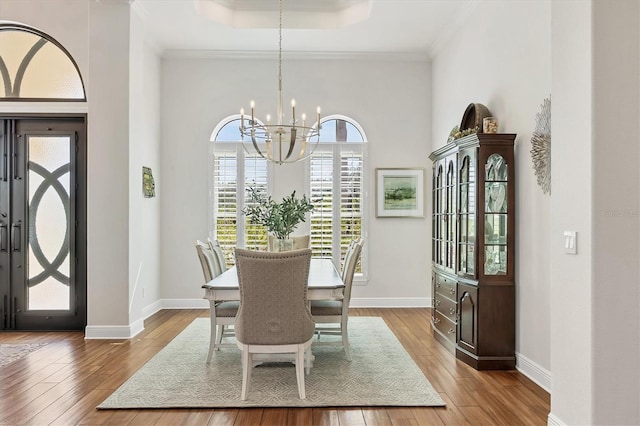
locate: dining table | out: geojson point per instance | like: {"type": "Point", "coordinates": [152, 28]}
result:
{"type": "Point", "coordinates": [324, 283]}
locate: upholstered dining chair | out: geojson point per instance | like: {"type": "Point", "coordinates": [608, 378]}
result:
{"type": "Point", "coordinates": [219, 254]}
{"type": "Point", "coordinates": [337, 311]}
{"type": "Point", "coordinates": [274, 316]}
{"type": "Point", "coordinates": [223, 312]}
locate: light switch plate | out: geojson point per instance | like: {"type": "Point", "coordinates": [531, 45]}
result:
{"type": "Point", "coordinates": [570, 242]}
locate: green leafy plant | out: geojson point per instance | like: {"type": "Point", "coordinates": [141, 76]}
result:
{"type": "Point", "coordinates": [279, 218]}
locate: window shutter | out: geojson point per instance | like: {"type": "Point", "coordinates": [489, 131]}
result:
{"type": "Point", "coordinates": [351, 174]}
{"type": "Point", "coordinates": [225, 202]}
{"type": "Point", "coordinates": [321, 194]}
{"type": "Point", "coordinates": [255, 175]}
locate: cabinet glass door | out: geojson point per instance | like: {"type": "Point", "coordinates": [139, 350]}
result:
{"type": "Point", "coordinates": [495, 216]}
{"type": "Point", "coordinates": [450, 215]}
{"type": "Point", "coordinates": [438, 189]}
{"type": "Point", "coordinates": [467, 203]}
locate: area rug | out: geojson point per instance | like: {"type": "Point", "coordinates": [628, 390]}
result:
{"type": "Point", "coordinates": [13, 352]}
{"type": "Point", "coordinates": [381, 374]}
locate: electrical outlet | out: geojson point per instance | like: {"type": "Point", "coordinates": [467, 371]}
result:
{"type": "Point", "coordinates": [570, 242]}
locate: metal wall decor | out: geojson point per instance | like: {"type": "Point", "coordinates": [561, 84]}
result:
{"type": "Point", "coordinates": [148, 185]}
{"type": "Point", "coordinates": [541, 146]}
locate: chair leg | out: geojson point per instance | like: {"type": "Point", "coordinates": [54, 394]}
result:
{"type": "Point", "coordinates": [219, 336]}
{"type": "Point", "coordinates": [345, 337]}
{"type": "Point", "coordinates": [246, 371]}
{"type": "Point", "coordinates": [300, 371]}
{"type": "Point", "coordinates": [212, 338]}
{"type": "Point", "coordinates": [307, 359]}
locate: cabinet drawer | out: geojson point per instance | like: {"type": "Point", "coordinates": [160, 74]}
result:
{"type": "Point", "coordinates": [445, 326]}
{"type": "Point", "coordinates": [446, 286]}
{"type": "Point", "coordinates": [446, 307]}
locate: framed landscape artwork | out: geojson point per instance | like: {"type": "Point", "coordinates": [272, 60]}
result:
{"type": "Point", "coordinates": [400, 192]}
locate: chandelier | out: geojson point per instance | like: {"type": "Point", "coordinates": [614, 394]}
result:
{"type": "Point", "coordinates": [280, 143]}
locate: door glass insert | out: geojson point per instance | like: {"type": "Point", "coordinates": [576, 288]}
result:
{"type": "Point", "coordinates": [49, 222]}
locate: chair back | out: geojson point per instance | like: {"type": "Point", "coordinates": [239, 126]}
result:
{"type": "Point", "coordinates": [209, 264]}
{"type": "Point", "coordinates": [273, 297]}
{"type": "Point", "coordinates": [349, 269]}
{"type": "Point", "coordinates": [347, 255]}
{"type": "Point", "coordinates": [219, 254]}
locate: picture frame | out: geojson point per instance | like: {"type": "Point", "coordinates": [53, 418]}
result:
{"type": "Point", "coordinates": [400, 192]}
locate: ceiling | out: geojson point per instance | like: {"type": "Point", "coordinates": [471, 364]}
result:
{"type": "Point", "coordinates": [336, 26]}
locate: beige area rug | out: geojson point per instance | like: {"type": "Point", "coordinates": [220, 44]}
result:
{"type": "Point", "coordinates": [381, 374]}
{"type": "Point", "coordinates": [13, 352]}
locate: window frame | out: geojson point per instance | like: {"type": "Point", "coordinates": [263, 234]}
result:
{"type": "Point", "coordinates": [238, 149]}
{"type": "Point", "coordinates": [335, 148]}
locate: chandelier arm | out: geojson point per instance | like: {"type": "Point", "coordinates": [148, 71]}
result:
{"type": "Point", "coordinates": [255, 145]}
{"type": "Point", "coordinates": [292, 143]}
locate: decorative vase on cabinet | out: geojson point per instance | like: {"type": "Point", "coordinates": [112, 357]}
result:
{"type": "Point", "coordinates": [473, 246]}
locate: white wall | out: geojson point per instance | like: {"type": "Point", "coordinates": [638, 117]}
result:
{"type": "Point", "coordinates": [499, 59]}
{"type": "Point", "coordinates": [571, 340]}
{"type": "Point", "coordinates": [595, 353]}
{"type": "Point", "coordinates": [108, 180]}
{"type": "Point", "coordinates": [389, 97]}
{"type": "Point", "coordinates": [616, 212]}
{"type": "Point", "coordinates": [144, 218]}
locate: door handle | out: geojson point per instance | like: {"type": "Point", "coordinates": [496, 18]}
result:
{"type": "Point", "coordinates": [16, 237]}
{"type": "Point", "coordinates": [3, 237]}
{"type": "Point", "coordinates": [16, 174]}
{"type": "Point", "coordinates": [5, 166]}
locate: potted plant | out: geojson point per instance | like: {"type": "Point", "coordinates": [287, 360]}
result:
{"type": "Point", "coordinates": [280, 219]}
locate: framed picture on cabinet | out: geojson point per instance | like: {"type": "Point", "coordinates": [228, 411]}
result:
{"type": "Point", "coordinates": [400, 192]}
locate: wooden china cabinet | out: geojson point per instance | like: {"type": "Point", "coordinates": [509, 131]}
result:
{"type": "Point", "coordinates": [474, 249]}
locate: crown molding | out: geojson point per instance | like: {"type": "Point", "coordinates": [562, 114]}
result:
{"type": "Point", "coordinates": [241, 55]}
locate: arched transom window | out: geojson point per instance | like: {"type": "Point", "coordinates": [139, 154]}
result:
{"type": "Point", "coordinates": [33, 66]}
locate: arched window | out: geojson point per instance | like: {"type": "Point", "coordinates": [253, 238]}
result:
{"type": "Point", "coordinates": [337, 186]}
{"type": "Point", "coordinates": [34, 66]}
{"type": "Point", "coordinates": [234, 170]}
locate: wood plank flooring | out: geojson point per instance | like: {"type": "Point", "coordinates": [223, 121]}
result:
{"type": "Point", "coordinates": [62, 383]}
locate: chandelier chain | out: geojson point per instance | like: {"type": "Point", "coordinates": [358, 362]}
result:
{"type": "Point", "coordinates": [281, 142]}
{"type": "Point", "coordinates": [280, 48]}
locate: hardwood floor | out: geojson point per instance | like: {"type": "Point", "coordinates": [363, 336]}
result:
{"type": "Point", "coordinates": [62, 383]}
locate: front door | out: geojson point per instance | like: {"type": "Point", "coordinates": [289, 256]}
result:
{"type": "Point", "coordinates": [42, 223]}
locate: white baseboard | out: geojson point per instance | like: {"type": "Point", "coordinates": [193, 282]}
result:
{"type": "Point", "coordinates": [554, 421]}
{"type": "Point", "coordinates": [184, 304]}
{"type": "Point", "coordinates": [151, 309]}
{"type": "Point", "coordinates": [117, 332]}
{"type": "Point", "coordinates": [113, 331]}
{"type": "Point", "coordinates": [390, 302]}
{"type": "Point", "coordinates": [535, 372]}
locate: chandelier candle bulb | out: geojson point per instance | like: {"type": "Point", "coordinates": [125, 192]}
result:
{"type": "Point", "coordinates": [318, 111]}
{"type": "Point", "coordinates": [293, 113]}
{"type": "Point", "coordinates": [242, 118]}
{"type": "Point", "coordinates": [304, 117]}
{"type": "Point", "coordinates": [253, 104]}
